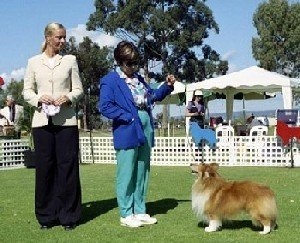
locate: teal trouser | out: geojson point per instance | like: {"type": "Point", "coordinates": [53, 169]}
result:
{"type": "Point", "coordinates": [133, 167]}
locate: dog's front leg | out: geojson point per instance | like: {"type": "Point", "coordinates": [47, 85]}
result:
{"type": "Point", "coordinates": [214, 225]}
{"type": "Point", "coordinates": [267, 230]}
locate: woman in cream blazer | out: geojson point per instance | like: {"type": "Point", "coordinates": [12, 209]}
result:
{"type": "Point", "coordinates": [52, 86]}
{"type": "Point", "coordinates": [61, 79]}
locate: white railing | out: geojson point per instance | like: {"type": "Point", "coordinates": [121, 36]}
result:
{"type": "Point", "coordinates": [180, 151]}
{"type": "Point", "coordinates": [12, 152]}
{"type": "Point", "coordinates": [174, 151]}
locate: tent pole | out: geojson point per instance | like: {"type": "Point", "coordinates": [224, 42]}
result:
{"type": "Point", "coordinates": [244, 111]}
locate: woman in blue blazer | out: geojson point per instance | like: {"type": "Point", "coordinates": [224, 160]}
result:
{"type": "Point", "coordinates": [127, 99]}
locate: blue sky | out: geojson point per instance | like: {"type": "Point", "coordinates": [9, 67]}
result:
{"type": "Point", "coordinates": [23, 22]}
{"type": "Point", "coordinates": [22, 25]}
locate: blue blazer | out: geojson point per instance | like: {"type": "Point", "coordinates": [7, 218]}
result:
{"type": "Point", "coordinates": [116, 103]}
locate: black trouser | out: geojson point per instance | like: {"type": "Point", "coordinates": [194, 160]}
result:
{"type": "Point", "coordinates": [57, 187]}
{"type": "Point", "coordinates": [198, 120]}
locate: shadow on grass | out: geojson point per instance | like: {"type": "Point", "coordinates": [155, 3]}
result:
{"type": "Point", "coordinates": [163, 206]}
{"type": "Point", "coordinates": [91, 210]}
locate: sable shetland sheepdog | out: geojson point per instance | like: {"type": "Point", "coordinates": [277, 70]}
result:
{"type": "Point", "coordinates": [215, 199]}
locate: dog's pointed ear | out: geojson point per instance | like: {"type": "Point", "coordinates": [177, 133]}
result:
{"type": "Point", "coordinates": [200, 167]}
{"type": "Point", "coordinates": [205, 170]}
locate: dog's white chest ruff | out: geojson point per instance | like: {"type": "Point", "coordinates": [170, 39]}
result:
{"type": "Point", "coordinates": [198, 204]}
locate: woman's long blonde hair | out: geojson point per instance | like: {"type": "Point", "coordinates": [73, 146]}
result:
{"type": "Point", "coordinates": [49, 31]}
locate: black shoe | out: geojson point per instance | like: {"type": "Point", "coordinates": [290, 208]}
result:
{"type": "Point", "coordinates": [70, 227]}
{"type": "Point", "coordinates": [49, 225]}
{"type": "Point", "coordinates": [46, 226]}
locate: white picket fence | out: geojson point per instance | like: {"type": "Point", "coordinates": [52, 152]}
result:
{"type": "Point", "coordinates": [12, 152]}
{"type": "Point", "coordinates": [180, 151]}
{"type": "Point", "coordinates": [174, 151]}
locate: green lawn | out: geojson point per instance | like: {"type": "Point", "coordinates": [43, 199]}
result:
{"type": "Point", "coordinates": [168, 200]}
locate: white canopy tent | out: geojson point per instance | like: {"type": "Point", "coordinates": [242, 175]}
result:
{"type": "Point", "coordinates": [249, 80]}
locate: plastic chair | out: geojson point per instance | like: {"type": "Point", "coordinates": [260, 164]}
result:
{"type": "Point", "coordinates": [225, 143]}
{"type": "Point", "coordinates": [259, 130]}
{"type": "Point", "coordinates": [257, 143]}
{"type": "Point", "coordinates": [223, 133]}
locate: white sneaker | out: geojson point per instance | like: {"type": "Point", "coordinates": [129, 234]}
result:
{"type": "Point", "coordinates": [145, 219]}
{"type": "Point", "coordinates": [130, 221]}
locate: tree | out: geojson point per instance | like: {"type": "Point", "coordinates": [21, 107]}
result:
{"type": "Point", "coordinates": [14, 88]}
{"type": "Point", "coordinates": [93, 62]}
{"type": "Point", "coordinates": [277, 47]}
{"type": "Point", "coordinates": [170, 32]}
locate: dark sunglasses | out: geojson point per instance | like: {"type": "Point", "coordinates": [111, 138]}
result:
{"type": "Point", "coordinates": [131, 64]}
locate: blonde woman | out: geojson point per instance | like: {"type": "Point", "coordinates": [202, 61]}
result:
{"type": "Point", "coordinates": [52, 86]}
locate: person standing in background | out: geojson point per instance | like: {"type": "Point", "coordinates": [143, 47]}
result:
{"type": "Point", "coordinates": [12, 115]}
{"type": "Point", "coordinates": [196, 109]}
{"type": "Point", "coordinates": [52, 86]}
{"type": "Point", "coordinates": [128, 100]}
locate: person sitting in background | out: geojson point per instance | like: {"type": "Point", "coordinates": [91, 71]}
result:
{"type": "Point", "coordinates": [196, 109]}
{"type": "Point", "coordinates": [216, 121]}
{"type": "Point", "coordinates": [12, 115]}
{"type": "Point", "coordinates": [252, 122]}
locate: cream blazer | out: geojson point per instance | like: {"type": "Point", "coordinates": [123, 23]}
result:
{"type": "Point", "coordinates": [62, 79]}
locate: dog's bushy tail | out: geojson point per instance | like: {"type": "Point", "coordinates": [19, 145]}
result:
{"type": "Point", "coordinates": [266, 212]}
{"type": "Point", "coordinates": [271, 208]}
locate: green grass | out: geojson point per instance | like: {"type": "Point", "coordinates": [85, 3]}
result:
{"type": "Point", "coordinates": [168, 200]}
